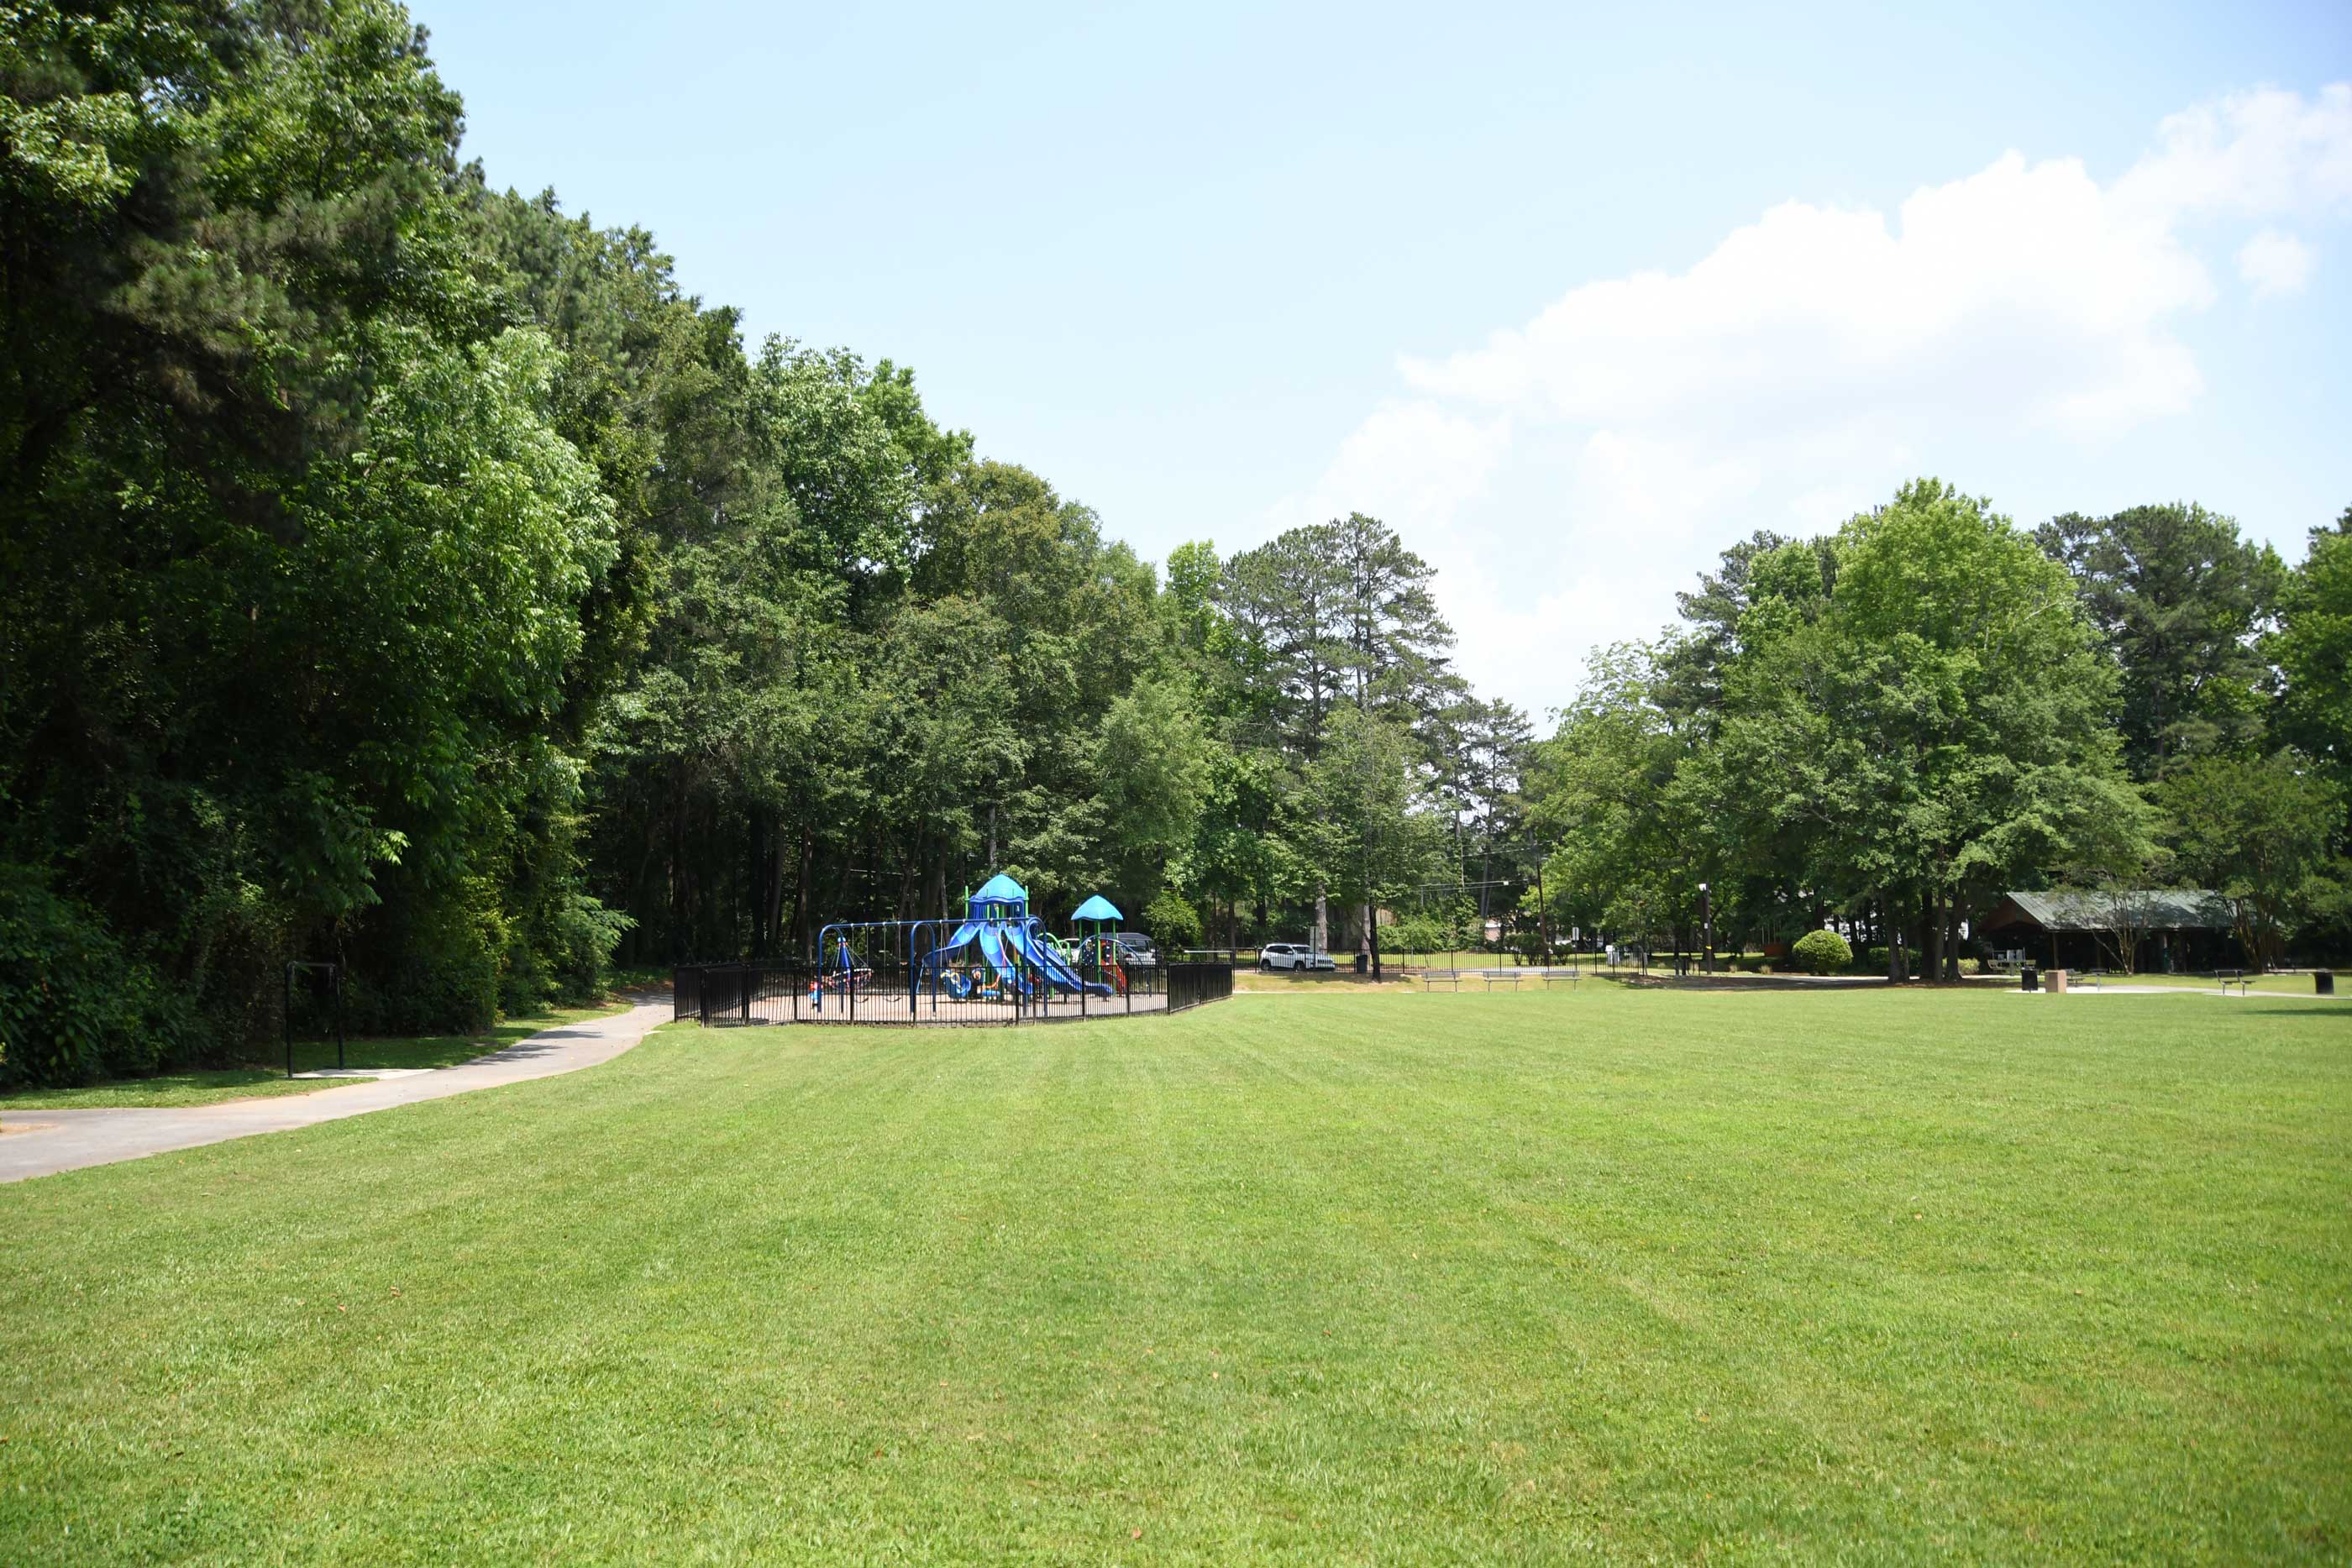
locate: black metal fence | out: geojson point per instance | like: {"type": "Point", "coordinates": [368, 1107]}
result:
{"type": "Point", "coordinates": [1192, 983]}
{"type": "Point", "coordinates": [736, 993]}
{"type": "Point", "coordinates": [881, 984]}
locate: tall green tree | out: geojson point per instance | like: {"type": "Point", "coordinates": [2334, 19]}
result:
{"type": "Point", "coordinates": [296, 551]}
{"type": "Point", "coordinates": [1625, 848]}
{"type": "Point", "coordinates": [2178, 597]}
{"type": "Point", "coordinates": [2259, 833]}
{"type": "Point", "coordinates": [1153, 764]}
{"type": "Point", "coordinates": [1485, 751]}
{"type": "Point", "coordinates": [1368, 844]}
{"type": "Point", "coordinates": [2312, 650]}
{"type": "Point", "coordinates": [1937, 728]}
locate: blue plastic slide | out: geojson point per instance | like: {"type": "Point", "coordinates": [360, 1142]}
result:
{"type": "Point", "coordinates": [992, 948]}
{"type": "Point", "coordinates": [1043, 956]}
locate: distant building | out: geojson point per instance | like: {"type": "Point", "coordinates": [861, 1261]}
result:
{"type": "Point", "coordinates": [2166, 929]}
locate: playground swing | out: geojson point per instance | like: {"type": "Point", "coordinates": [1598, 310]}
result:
{"type": "Point", "coordinates": [847, 973]}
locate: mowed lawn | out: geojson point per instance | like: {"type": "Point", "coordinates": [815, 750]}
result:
{"type": "Point", "coordinates": [1324, 1277]}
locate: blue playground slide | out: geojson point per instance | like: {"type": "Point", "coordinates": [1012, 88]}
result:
{"type": "Point", "coordinates": [1016, 955]}
{"type": "Point", "coordinates": [1011, 941]}
{"type": "Point", "coordinates": [991, 947]}
{"type": "Point", "coordinates": [1039, 954]}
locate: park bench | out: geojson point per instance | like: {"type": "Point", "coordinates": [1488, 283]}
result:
{"type": "Point", "coordinates": [1452, 978]}
{"type": "Point", "coordinates": [2242, 978]}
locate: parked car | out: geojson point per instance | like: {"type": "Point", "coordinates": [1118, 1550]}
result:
{"type": "Point", "coordinates": [1136, 948]}
{"type": "Point", "coordinates": [1292, 956]}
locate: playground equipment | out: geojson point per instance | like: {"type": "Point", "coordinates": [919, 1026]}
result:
{"type": "Point", "coordinates": [995, 963]}
{"type": "Point", "coordinates": [997, 952]}
{"type": "Point", "coordinates": [1013, 944]}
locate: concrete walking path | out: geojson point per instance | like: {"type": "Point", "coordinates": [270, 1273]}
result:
{"type": "Point", "coordinates": [35, 1143]}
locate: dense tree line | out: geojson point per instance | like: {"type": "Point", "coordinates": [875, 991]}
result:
{"type": "Point", "coordinates": [412, 575]}
{"type": "Point", "coordinates": [404, 573]}
{"type": "Point", "coordinates": [1893, 724]}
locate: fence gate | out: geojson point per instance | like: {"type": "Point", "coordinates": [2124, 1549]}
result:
{"type": "Point", "coordinates": [334, 988]}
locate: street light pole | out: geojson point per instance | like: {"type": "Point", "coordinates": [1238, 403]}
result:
{"type": "Point", "coordinates": [1707, 932]}
{"type": "Point", "coordinates": [1543, 910]}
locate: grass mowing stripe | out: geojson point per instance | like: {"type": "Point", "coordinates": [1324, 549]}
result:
{"type": "Point", "coordinates": [1437, 1278]}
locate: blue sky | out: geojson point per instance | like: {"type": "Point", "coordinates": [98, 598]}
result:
{"type": "Point", "coordinates": [1572, 298]}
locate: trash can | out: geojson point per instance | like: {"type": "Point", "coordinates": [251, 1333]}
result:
{"type": "Point", "coordinates": [1363, 963]}
{"type": "Point", "coordinates": [2055, 982]}
{"type": "Point", "coordinates": [2029, 978]}
{"type": "Point", "coordinates": [2324, 981]}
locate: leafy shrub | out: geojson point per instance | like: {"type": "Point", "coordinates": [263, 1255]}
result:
{"type": "Point", "coordinates": [1822, 952]}
{"type": "Point", "coordinates": [586, 935]}
{"type": "Point", "coordinates": [1173, 922]}
{"type": "Point", "coordinates": [75, 1005]}
{"type": "Point", "coordinates": [1418, 934]}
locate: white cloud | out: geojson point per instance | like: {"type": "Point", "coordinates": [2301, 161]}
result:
{"type": "Point", "coordinates": [1415, 459]}
{"type": "Point", "coordinates": [2256, 154]}
{"type": "Point", "coordinates": [2027, 274]}
{"type": "Point", "coordinates": [2276, 263]}
{"type": "Point", "coordinates": [1807, 363]}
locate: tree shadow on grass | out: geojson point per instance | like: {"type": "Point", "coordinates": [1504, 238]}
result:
{"type": "Point", "coordinates": [266, 1074]}
{"type": "Point", "coordinates": [2312, 1014]}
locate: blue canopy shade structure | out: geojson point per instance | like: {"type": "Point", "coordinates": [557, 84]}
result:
{"type": "Point", "coordinates": [1098, 908]}
{"type": "Point", "coordinates": [1009, 897]}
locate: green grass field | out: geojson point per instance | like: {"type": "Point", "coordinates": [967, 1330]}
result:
{"type": "Point", "coordinates": [202, 1086]}
{"type": "Point", "coordinates": [1873, 1275]}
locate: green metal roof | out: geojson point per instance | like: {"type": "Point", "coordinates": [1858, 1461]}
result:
{"type": "Point", "coordinates": [2150, 909]}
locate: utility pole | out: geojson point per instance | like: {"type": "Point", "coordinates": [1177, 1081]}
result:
{"type": "Point", "coordinates": [1543, 910]}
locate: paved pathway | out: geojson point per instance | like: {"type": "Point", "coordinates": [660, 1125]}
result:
{"type": "Point", "coordinates": [41, 1142]}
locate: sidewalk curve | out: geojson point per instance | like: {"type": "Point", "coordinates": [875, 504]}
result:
{"type": "Point", "coordinates": [43, 1143]}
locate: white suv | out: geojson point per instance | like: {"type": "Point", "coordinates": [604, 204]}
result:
{"type": "Point", "coordinates": [1292, 956]}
